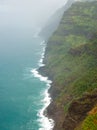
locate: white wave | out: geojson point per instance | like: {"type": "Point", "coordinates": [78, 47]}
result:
{"type": "Point", "coordinates": [37, 75]}
{"type": "Point", "coordinates": [40, 63]}
{"type": "Point", "coordinates": [45, 122]}
{"type": "Point", "coordinates": [43, 42]}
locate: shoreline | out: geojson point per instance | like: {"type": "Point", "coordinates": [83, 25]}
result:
{"type": "Point", "coordinates": [51, 111]}
{"type": "Point", "coordinates": [46, 122]}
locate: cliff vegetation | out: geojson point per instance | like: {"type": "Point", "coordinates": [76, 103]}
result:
{"type": "Point", "coordinates": [71, 62]}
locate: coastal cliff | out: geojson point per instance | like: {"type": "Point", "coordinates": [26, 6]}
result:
{"type": "Point", "coordinates": [71, 63]}
{"type": "Point", "coordinates": [54, 20]}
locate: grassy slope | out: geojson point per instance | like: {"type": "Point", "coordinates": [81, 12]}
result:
{"type": "Point", "coordinates": [72, 53]}
{"type": "Point", "coordinates": [90, 123]}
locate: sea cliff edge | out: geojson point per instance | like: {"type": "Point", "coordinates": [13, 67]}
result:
{"type": "Point", "coordinates": [70, 62]}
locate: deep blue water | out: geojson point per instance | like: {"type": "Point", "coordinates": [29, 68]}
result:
{"type": "Point", "coordinates": [20, 92]}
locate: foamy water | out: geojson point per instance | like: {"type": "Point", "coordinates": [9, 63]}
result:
{"type": "Point", "coordinates": [42, 55]}
{"type": "Point", "coordinates": [45, 122]}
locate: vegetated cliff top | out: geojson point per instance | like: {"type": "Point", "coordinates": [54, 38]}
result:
{"type": "Point", "coordinates": [71, 62]}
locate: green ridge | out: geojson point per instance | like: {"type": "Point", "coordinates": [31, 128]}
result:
{"type": "Point", "coordinates": [71, 54]}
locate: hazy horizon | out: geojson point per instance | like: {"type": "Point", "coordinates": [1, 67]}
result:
{"type": "Point", "coordinates": [27, 13]}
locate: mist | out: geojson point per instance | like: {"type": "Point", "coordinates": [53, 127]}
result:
{"type": "Point", "coordinates": [27, 13]}
{"type": "Point", "coordinates": [20, 20]}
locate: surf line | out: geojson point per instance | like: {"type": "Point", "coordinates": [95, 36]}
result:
{"type": "Point", "coordinates": [46, 123]}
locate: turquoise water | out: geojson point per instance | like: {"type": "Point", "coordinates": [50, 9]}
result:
{"type": "Point", "coordinates": [21, 93]}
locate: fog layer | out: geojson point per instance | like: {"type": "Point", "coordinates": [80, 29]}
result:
{"type": "Point", "coordinates": [28, 13]}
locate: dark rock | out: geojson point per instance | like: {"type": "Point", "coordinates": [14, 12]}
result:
{"type": "Point", "coordinates": [78, 110]}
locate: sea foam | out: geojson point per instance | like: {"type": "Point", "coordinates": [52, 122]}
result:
{"type": "Point", "coordinates": [45, 122]}
{"type": "Point", "coordinates": [40, 63]}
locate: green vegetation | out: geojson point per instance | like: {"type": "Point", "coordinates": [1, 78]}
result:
{"type": "Point", "coordinates": [71, 57]}
{"type": "Point", "coordinates": [90, 123]}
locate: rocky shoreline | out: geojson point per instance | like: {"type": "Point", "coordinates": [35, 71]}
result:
{"type": "Point", "coordinates": [53, 111]}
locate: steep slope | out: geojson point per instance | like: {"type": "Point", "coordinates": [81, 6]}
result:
{"type": "Point", "coordinates": [71, 63]}
{"type": "Point", "coordinates": [54, 20]}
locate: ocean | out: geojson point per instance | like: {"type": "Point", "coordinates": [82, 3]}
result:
{"type": "Point", "coordinates": [23, 91]}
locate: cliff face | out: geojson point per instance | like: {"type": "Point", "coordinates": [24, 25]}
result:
{"type": "Point", "coordinates": [71, 62]}
{"type": "Point", "coordinates": [54, 20]}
